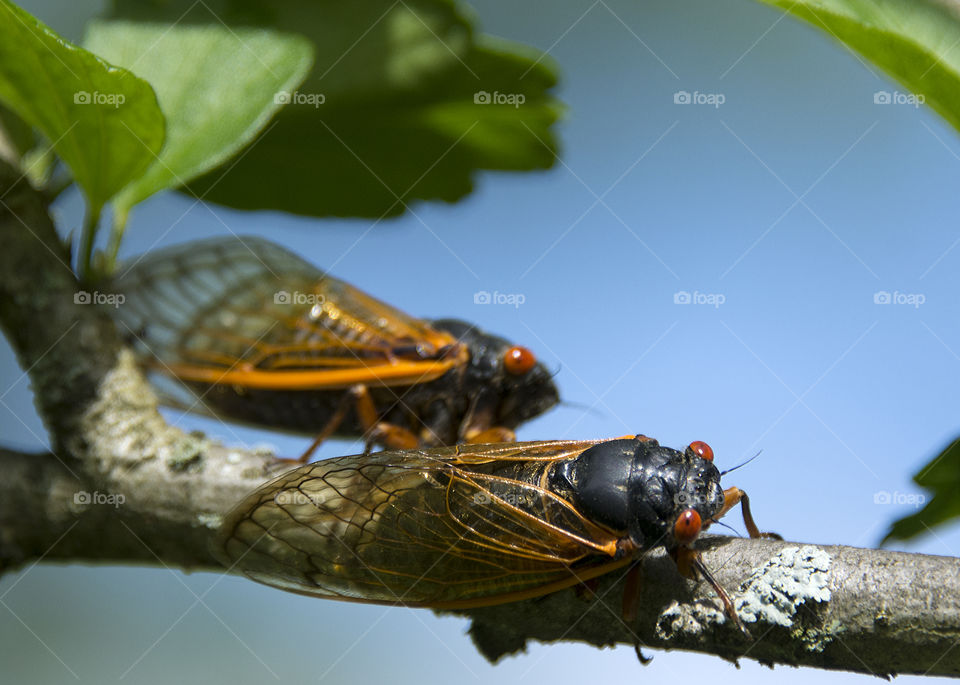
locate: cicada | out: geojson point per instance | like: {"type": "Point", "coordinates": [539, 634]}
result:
{"type": "Point", "coordinates": [477, 525]}
{"type": "Point", "coordinates": [263, 337]}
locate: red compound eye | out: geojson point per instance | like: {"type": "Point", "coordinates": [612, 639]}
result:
{"type": "Point", "coordinates": [687, 527]}
{"type": "Point", "coordinates": [702, 450]}
{"type": "Point", "coordinates": [519, 360]}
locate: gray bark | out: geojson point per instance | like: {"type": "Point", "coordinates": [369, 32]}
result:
{"type": "Point", "coordinates": [120, 485]}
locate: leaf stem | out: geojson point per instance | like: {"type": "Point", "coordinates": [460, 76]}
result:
{"type": "Point", "coordinates": [85, 257]}
{"type": "Point", "coordinates": [117, 230]}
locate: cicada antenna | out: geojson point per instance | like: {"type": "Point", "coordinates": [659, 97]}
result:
{"type": "Point", "coordinates": [582, 406]}
{"type": "Point", "coordinates": [723, 473]}
{"type": "Point", "coordinates": [725, 525]}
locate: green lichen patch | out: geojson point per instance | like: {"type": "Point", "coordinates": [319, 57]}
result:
{"type": "Point", "coordinates": [187, 457]}
{"type": "Point", "coordinates": [772, 594]}
{"type": "Point", "coordinates": [688, 619]}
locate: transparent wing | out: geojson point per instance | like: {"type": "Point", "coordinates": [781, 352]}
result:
{"type": "Point", "coordinates": [247, 312]}
{"type": "Point", "coordinates": [445, 527]}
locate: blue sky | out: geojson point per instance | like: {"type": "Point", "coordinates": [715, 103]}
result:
{"type": "Point", "coordinates": [789, 214]}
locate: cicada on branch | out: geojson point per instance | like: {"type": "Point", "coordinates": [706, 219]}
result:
{"type": "Point", "coordinates": [263, 337]}
{"type": "Point", "coordinates": [476, 525]}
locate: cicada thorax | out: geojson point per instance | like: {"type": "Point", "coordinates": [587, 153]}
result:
{"type": "Point", "coordinates": [640, 487]}
{"type": "Point", "coordinates": [261, 336]}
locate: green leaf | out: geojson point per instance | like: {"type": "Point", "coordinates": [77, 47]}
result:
{"type": "Point", "coordinates": [388, 114]}
{"type": "Point", "coordinates": [104, 122]}
{"type": "Point", "coordinates": [912, 40]}
{"type": "Point", "coordinates": [372, 49]}
{"type": "Point", "coordinates": [16, 136]}
{"type": "Point", "coordinates": [941, 477]}
{"type": "Point", "coordinates": [217, 87]}
{"type": "Point", "coordinates": [372, 159]}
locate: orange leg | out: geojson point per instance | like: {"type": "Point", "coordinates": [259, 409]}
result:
{"type": "Point", "coordinates": [684, 557]}
{"type": "Point", "coordinates": [390, 435]}
{"type": "Point", "coordinates": [728, 607]}
{"type": "Point", "coordinates": [587, 589]}
{"type": "Point", "coordinates": [631, 595]}
{"type": "Point", "coordinates": [494, 434]}
{"type": "Point", "coordinates": [480, 426]}
{"type": "Point", "coordinates": [691, 566]}
{"type": "Point", "coordinates": [734, 496]}
{"type": "Point", "coordinates": [376, 432]}
{"type": "Point", "coordinates": [631, 603]}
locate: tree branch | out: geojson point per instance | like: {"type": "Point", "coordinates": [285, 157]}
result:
{"type": "Point", "coordinates": [871, 611]}
{"type": "Point", "coordinates": [120, 485]}
{"type": "Point", "coordinates": [124, 484]}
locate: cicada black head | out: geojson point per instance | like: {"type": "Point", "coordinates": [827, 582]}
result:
{"type": "Point", "coordinates": [657, 495]}
{"type": "Point", "coordinates": [504, 380]}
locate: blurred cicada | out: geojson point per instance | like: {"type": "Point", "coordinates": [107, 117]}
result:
{"type": "Point", "coordinates": [263, 337]}
{"type": "Point", "coordinates": [476, 525]}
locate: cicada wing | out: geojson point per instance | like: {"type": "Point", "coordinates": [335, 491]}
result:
{"type": "Point", "coordinates": [184, 299]}
{"type": "Point", "coordinates": [246, 311]}
{"type": "Point", "coordinates": [422, 528]}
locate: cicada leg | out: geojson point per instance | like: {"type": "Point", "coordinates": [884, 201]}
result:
{"type": "Point", "coordinates": [631, 605]}
{"type": "Point", "coordinates": [631, 595]}
{"type": "Point", "coordinates": [376, 432]}
{"type": "Point", "coordinates": [587, 589]}
{"type": "Point", "coordinates": [691, 566]}
{"type": "Point", "coordinates": [479, 424]}
{"type": "Point", "coordinates": [734, 496]}
{"type": "Point", "coordinates": [494, 434]}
